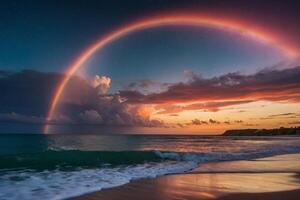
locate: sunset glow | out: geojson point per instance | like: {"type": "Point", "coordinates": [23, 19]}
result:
{"type": "Point", "coordinates": [150, 99]}
{"type": "Point", "coordinates": [192, 20]}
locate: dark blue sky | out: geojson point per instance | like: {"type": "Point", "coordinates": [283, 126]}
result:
{"type": "Point", "coordinates": [163, 54]}
{"type": "Point", "coordinates": [47, 35]}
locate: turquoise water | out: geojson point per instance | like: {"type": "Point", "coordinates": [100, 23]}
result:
{"type": "Point", "coordinates": [61, 166]}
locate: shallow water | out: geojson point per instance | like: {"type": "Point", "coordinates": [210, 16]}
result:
{"type": "Point", "coordinates": [61, 166]}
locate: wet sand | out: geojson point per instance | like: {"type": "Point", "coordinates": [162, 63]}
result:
{"type": "Point", "coordinates": [271, 178]}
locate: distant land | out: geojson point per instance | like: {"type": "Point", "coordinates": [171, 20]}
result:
{"type": "Point", "coordinates": [263, 132]}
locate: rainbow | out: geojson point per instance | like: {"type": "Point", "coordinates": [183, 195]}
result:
{"type": "Point", "coordinates": [191, 20]}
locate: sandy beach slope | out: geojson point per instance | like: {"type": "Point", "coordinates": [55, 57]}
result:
{"type": "Point", "coordinates": [272, 178]}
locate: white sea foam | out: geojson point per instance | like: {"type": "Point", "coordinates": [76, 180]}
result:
{"type": "Point", "coordinates": [63, 184]}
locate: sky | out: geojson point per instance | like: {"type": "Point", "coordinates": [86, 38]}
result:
{"type": "Point", "coordinates": [239, 70]}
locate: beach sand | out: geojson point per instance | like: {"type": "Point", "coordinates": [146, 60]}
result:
{"type": "Point", "coordinates": [271, 178]}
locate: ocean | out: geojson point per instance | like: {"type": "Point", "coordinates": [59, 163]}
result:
{"type": "Point", "coordinates": [62, 166]}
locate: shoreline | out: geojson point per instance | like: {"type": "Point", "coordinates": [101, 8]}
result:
{"type": "Point", "coordinates": [216, 180]}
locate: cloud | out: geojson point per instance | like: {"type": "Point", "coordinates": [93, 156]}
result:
{"type": "Point", "coordinates": [251, 125]}
{"type": "Point", "coordinates": [91, 116]}
{"type": "Point", "coordinates": [269, 85]}
{"type": "Point", "coordinates": [29, 119]}
{"type": "Point", "coordinates": [214, 121]}
{"type": "Point", "coordinates": [90, 106]}
{"type": "Point", "coordinates": [27, 92]}
{"type": "Point", "coordinates": [180, 125]}
{"type": "Point", "coordinates": [101, 83]}
{"type": "Point", "coordinates": [239, 121]}
{"type": "Point", "coordinates": [289, 115]}
{"type": "Point", "coordinates": [146, 86]}
{"type": "Point", "coordinates": [109, 110]}
{"type": "Point", "coordinates": [233, 122]}
{"type": "Point", "coordinates": [208, 106]}
{"type": "Point", "coordinates": [15, 117]}
{"type": "Point", "coordinates": [4, 73]}
{"type": "Point", "coordinates": [26, 96]}
{"type": "Point", "coordinates": [294, 123]}
{"type": "Point", "coordinates": [140, 84]}
{"type": "Point", "coordinates": [282, 114]}
{"type": "Point", "coordinates": [203, 122]}
{"type": "Point", "coordinates": [199, 122]}
{"type": "Point", "coordinates": [285, 115]}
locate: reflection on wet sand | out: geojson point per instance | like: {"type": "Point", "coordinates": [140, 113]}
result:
{"type": "Point", "coordinates": [214, 184]}
{"type": "Point", "coordinates": [200, 186]}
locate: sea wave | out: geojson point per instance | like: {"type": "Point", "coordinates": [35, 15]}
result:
{"type": "Point", "coordinates": [58, 184]}
{"type": "Point", "coordinates": [63, 173]}
{"type": "Point", "coordinates": [199, 157]}
{"type": "Point", "coordinates": [72, 159]}
{"type": "Point", "coordinates": [64, 159]}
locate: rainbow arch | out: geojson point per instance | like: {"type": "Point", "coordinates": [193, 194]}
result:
{"type": "Point", "coordinates": [194, 20]}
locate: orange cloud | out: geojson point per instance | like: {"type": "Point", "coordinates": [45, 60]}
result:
{"type": "Point", "coordinates": [207, 106]}
{"type": "Point", "coordinates": [229, 89]}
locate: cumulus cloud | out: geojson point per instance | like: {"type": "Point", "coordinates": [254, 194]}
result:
{"type": "Point", "coordinates": [91, 107]}
{"type": "Point", "coordinates": [26, 96]}
{"type": "Point", "coordinates": [101, 83]}
{"type": "Point", "coordinates": [114, 111]}
{"type": "Point", "coordinates": [91, 116]}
